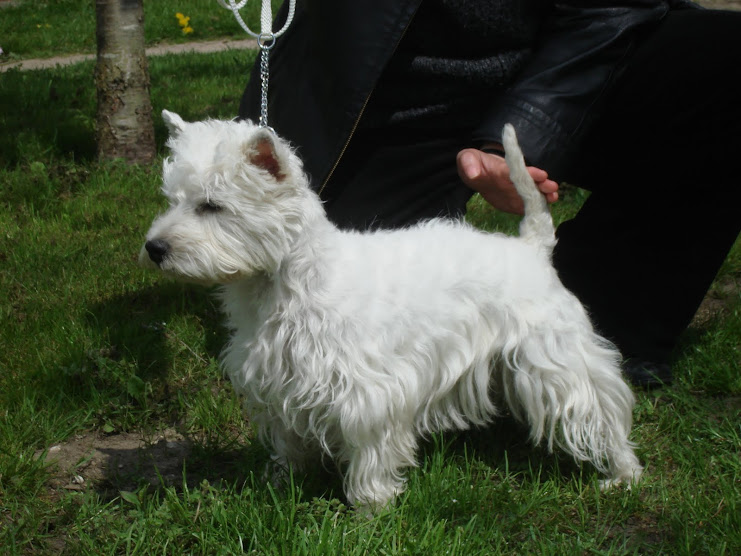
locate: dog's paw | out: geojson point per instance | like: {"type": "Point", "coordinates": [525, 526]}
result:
{"type": "Point", "coordinates": [628, 481]}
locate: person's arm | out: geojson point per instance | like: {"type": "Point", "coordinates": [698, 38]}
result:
{"type": "Point", "coordinates": [558, 95]}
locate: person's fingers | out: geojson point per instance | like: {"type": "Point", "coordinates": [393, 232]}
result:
{"type": "Point", "coordinates": [475, 166]}
{"type": "Point", "coordinates": [547, 186]}
{"type": "Point", "coordinates": [537, 174]}
{"type": "Point", "coordinates": [469, 164]}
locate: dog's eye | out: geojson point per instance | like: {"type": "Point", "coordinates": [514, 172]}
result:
{"type": "Point", "coordinates": [207, 207]}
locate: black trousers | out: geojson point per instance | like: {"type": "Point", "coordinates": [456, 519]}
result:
{"type": "Point", "coordinates": [665, 203]}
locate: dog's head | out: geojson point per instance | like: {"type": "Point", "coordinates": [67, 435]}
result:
{"type": "Point", "coordinates": [237, 198]}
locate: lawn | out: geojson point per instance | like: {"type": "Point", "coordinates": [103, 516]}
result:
{"type": "Point", "coordinates": [112, 372]}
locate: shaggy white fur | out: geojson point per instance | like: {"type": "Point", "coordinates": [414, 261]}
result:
{"type": "Point", "coordinates": [355, 345]}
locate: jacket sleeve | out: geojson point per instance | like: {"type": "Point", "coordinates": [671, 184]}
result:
{"type": "Point", "coordinates": [558, 95]}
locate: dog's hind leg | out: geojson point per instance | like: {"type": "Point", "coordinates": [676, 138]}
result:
{"type": "Point", "coordinates": [569, 390]}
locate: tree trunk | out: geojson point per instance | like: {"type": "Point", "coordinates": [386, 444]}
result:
{"type": "Point", "coordinates": [124, 120]}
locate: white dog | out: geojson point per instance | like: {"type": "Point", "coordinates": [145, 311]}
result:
{"type": "Point", "coordinates": [356, 345]}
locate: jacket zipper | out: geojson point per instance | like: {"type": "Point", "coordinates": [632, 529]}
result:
{"type": "Point", "coordinates": [360, 114]}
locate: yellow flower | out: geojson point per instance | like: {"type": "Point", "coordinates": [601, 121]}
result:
{"type": "Point", "coordinates": [187, 30]}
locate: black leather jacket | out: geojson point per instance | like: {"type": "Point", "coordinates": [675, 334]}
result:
{"type": "Point", "coordinates": [324, 69]}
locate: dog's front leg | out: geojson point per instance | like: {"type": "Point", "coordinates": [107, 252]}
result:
{"type": "Point", "coordinates": [375, 472]}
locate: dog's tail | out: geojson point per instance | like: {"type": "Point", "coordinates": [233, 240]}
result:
{"type": "Point", "coordinates": [537, 224]}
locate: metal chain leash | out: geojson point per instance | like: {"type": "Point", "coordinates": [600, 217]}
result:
{"type": "Point", "coordinates": [265, 43]}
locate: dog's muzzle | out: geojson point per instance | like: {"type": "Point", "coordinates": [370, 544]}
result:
{"type": "Point", "coordinates": [157, 249]}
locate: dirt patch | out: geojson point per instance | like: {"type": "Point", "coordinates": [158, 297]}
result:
{"type": "Point", "coordinates": [111, 463]}
{"type": "Point", "coordinates": [717, 300]}
{"type": "Point", "coordinates": [95, 460]}
{"type": "Point", "coordinates": [721, 4]}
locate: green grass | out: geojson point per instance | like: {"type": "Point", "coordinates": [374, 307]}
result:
{"type": "Point", "coordinates": [90, 343]}
{"type": "Point", "coordinates": [31, 29]}
{"type": "Point", "coordinates": [51, 114]}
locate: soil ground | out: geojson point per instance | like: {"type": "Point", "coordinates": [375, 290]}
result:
{"type": "Point", "coordinates": [95, 459]}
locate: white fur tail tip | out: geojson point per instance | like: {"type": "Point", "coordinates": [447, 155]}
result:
{"type": "Point", "coordinates": [537, 224]}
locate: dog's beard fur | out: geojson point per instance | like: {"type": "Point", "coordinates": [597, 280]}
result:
{"type": "Point", "coordinates": [355, 345]}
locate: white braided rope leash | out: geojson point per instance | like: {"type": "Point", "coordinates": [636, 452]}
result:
{"type": "Point", "coordinates": [265, 40]}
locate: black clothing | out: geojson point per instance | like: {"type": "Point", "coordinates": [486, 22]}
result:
{"type": "Point", "coordinates": [665, 207]}
{"type": "Point", "coordinates": [455, 56]}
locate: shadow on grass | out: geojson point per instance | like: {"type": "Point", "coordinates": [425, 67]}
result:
{"type": "Point", "coordinates": [140, 324]}
{"type": "Point", "coordinates": [136, 356]}
{"type": "Point", "coordinates": [160, 349]}
{"type": "Point", "coordinates": [129, 462]}
{"type": "Point", "coordinates": [53, 114]}
{"type": "Point", "coordinates": [505, 447]}
{"type": "Point", "coordinates": [168, 459]}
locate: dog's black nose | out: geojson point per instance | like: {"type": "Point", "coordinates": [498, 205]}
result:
{"type": "Point", "coordinates": [157, 249]}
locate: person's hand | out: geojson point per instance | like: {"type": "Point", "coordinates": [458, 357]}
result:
{"type": "Point", "coordinates": [488, 174]}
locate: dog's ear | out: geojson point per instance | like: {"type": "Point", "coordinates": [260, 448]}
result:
{"type": "Point", "coordinates": [261, 152]}
{"type": "Point", "coordinates": [175, 124]}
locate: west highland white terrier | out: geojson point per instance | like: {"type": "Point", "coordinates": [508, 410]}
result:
{"type": "Point", "coordinates": [356, 345]}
